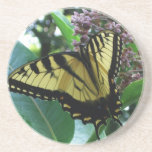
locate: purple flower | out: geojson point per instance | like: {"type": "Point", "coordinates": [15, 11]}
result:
{"type": "Point", "coordinates": [113, 26]}
{"type": "Point", "coordinates": [84, 22]}
{"type": "Point", "coordinates": [127, 57]}
{"type": "Point", "coordinates": [85, 11]}
{"type": "Point", "coordinates": [77, 30]}
{"type": "Point", "coordinates": [76, 43]}
{"type": "Point", "coordinates": [84, 38]}
{"type": "Point", "coordinates": [126, 37]}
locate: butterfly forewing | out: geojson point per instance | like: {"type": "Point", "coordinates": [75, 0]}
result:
{"type": "Point", "coordinates": [70, 77]}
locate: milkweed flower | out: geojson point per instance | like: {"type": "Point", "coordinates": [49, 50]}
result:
{"type": "Point", "coordinates": [126, 37]}
{"type": "Point", "coordinates": [126, 58]}
{"type": "Point", "coordinates": [83, 23]}
{"type": "Point", "coordinates": [113, 26]}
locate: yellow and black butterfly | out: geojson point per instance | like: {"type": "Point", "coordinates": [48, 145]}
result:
{"type": "Point", "coordinates": [83, 82]}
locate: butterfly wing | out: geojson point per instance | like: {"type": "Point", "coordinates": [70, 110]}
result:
{"type": "Point", "coordinates": [105, 50]}
{"type": "Point", "coordinates": [62, 73]}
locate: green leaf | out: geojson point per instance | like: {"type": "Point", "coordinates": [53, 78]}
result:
{"type": "Point", "coordinates": [82, 132]}
{"type": "Point", "coordinates": [111, 126]}
{"type": "Point", "coordinates": [20, 56]}
{"type": "Point", "coordinates": [47, 118]}
{"type": "Point", "coordinates": [133, 46]}
{"type": "Point", "coordinates": [131, 93]}
{"type": "Point", "coordinates": [102, 134]}
{"type": "Point", "coordinates": [66, 28]}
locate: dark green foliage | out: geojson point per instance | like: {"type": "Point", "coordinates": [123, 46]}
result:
{"type": "Point", "coordinates": [132, 93]}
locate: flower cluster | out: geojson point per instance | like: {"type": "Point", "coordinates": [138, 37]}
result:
{"type": "Point", "coordinates": [83, 22]}
{"type": "Point", "coordinates": [131, 68]}
{"type": "Point", "coordinates": [126, 37]}
{"type": "Point", "coordinates": [126, 58]}
{"type": "Point", "coordinates": [91, 21]}
{"type": "Point", "coordinates": [113, 26]}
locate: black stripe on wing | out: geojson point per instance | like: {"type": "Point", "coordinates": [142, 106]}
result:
{"type": "Point", "coordinates": [34, 68]}
{"type": "Point", "coordinates": [47, 64]}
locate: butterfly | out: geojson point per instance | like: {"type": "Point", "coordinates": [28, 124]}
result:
{"type": "Point", "coordinates": [82, 82]}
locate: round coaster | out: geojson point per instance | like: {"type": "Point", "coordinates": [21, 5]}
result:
{"type": "Point", "coordinates": [75, 75]}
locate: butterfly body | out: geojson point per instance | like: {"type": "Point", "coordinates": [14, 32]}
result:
{"type": "Point", "coordinates": [83, 82]}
